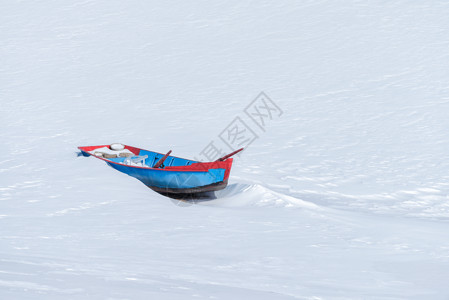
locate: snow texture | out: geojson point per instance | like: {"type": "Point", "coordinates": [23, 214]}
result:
{"type": "Point", "coordinates": [342, 196]}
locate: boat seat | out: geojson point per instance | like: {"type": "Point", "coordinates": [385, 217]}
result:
{"type": "Point", "coordinates": [136, 159]}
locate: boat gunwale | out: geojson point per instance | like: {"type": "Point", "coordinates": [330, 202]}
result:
{"type": "Point", "coordinates": [151, 168]}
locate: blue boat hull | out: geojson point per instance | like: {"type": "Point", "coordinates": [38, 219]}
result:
{"type": "Point", "coordinates": [176, 182]}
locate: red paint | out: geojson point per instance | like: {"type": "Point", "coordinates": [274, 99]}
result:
{"type": "Point", "coordinates": [90, 148]}
{"type": "Point", "coordinates": [133, 149]}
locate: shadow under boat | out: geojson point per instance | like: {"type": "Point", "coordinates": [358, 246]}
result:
{"type": "Point", "coordinates": [191, 197]}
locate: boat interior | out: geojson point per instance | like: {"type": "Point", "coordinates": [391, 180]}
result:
{"type": "Point", "coordinates": [149, 159]}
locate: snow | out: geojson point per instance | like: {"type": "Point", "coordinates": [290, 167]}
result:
{"type": "Point", "coordinates": [106, 150]}
{"type": "Point", "coordinates": [343, 196]}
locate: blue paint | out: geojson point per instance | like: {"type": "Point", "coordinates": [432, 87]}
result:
{"type": "Point", "coordinates": [171, 179]}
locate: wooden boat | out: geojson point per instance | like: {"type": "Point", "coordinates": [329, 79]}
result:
{"type": "Point", "coordinates": [165, 174]}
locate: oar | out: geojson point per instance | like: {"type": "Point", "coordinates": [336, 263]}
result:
{"type": "Point", "coordinates": [161, 161]}
{"type": "Point", "coordinates": [229, 155]}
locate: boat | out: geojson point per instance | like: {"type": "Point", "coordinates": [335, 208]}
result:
{"type": "Point", "coordinates": [165, 174]}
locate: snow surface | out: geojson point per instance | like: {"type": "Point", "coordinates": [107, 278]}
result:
{"type": "Point", "coordinates": [344, 196]}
